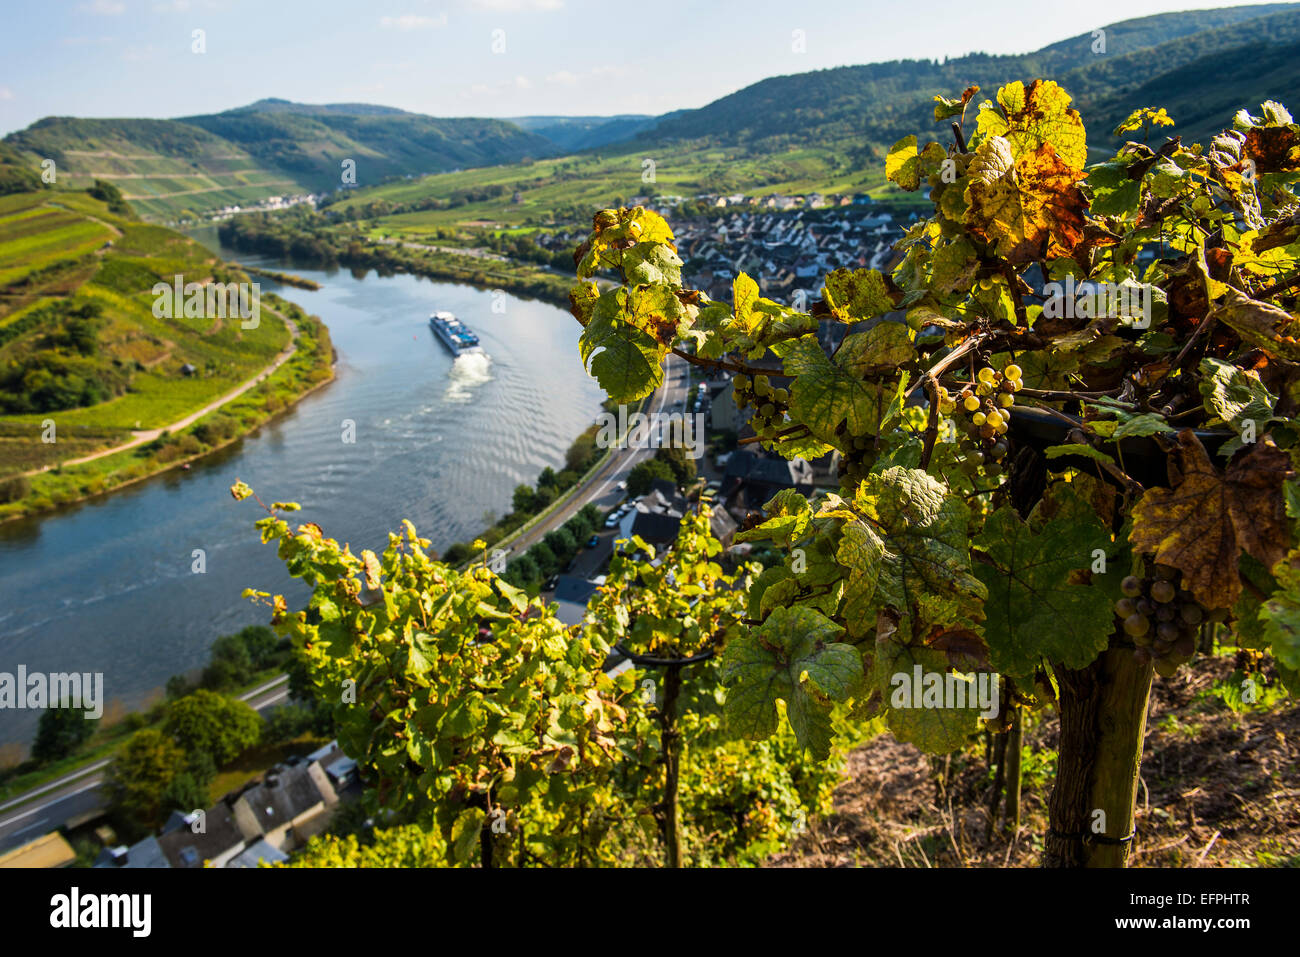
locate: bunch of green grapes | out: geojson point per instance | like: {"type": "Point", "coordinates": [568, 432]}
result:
{"type": "Point", "coordinates": [982, 413]}
{"type": "Point", "coordinates": [769, 404]}
{"type": "Point", "coordinates": [1162, 619]}
{"type": "Point", "coordinates": [857, 455]}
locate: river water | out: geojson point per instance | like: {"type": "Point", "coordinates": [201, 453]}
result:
{"type": "Point", "coordinates": [107, 586]}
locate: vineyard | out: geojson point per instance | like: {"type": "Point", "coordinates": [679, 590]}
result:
{"type": "Point", "coordinates": [1067, 446]}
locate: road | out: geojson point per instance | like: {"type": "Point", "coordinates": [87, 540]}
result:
{"type": "Point", "coordinates": [148, 435]}
{"type": "Point", "coordinates": [602, 488]}
{"type": "Point", "coordinates": [79, 792]}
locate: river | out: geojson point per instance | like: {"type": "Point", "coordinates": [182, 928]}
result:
{"type": "Point", "coordinates": [107, 586]}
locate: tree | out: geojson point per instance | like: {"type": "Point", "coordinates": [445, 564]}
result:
{"type": "Point", "coordinates": [209, 723]}
{"type": "Point", "coordinates": [561, 542]}
{"type": "Point", "coordinates": [60, 732]}
{"type": "Point", "coordinates": [524, 500]}
{"type": "Point", "coordinates": [645, 473]}
{"type": "Point", "coordinates": [682, 465]}
{"type": "Point", "coordinates": [580, 526]}
{"type": "Point", "coordinates": [547, 561]}
{"type": "Point", "coordinates": [1000, 527]}
{"type": "Point", "coordinates": [138, 779]}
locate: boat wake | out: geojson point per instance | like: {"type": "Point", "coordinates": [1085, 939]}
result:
{"type": "Point", "coordinates": [470, 370]}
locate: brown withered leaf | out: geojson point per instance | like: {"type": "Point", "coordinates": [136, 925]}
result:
{"type": "Point", "coordinates": [1201, 524]}
{"type": "Point", "coordinates": [1261, 324]}
{"type": "Point", "coordinates": [1275, 149]}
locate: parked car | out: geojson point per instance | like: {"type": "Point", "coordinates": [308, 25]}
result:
{"type": "Point", "coordinates": [593, 541]}
{"type": "Point", "coordinates": [621, 486]}
{"type": "Point", "coordinates": [551, 583]}
{"type": "Point", "coordinates": [613, 520]}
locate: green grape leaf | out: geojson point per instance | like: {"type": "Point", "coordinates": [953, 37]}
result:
{"type": "Point", "coordinates": [1078, 448]}
{"type": "Point", "coordinates": [1034, 611]}
{"type": "Point", "coordinates": [905, 547]}
{"type": "Point", "coordinates": [465, 833]}
{"type": "Point", "coordinates": [652, 264]}
{"type": "Point", "coordinates": [905, 166]}
{"type": "Point", "coordinates": [1234, 395]}
{"type": "Point", "coordinates": [1280, 614]}
{"type": "Point", "coordinates": [791, 657]}
{"type": "Point", "coordinates": [825, 394]}
{"type": "Point", "coordinates": [935, 729]}
{"type": "Point", "coordinates": [883, 347]}
{"type": "Point", "coordinates": [625, 360]}
{"type": "Point", "coordinates": [788, 517]}
{"type": "Point", "coordinates": [856, 294]}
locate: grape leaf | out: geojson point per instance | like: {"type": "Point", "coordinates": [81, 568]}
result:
{"type": "Point", "coordinates": [825, 393]}
{"type": "Point", "coordinates": [905, 547]}
{"type": "Point", "coordinates": [1033, 611]}
{"type": "Point", "coordinates": [625, 360]}
{"type": "Point", "coordinates": [945, 108]}
{"type": "Point", "coordinates": [1280, 614]}
{"type": "Point", "coordinates": [793, 657]}
{"type": "Point", "coordinates": [935, 730]}
{"type": "Point", "coordinates": [1200, 525]}
{"type": "Point", "coordinates": [1034, 117]}
{"type": "Point", "coordinates": [1078, 448]}
{"type": "Point", "coordinates": [1261, 324]}
{"type": "Point", "coordinates": [1234, 395]}
{"type": "Point", "coordinates": [1028, 207]}
{"type": "Point", "coordinates": [855, 294]}
{"type": "Point", "coordinates": [905, 166]}
{"type": "Point", "coordinates": [614, 231]}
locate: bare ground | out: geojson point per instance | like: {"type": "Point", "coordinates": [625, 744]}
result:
{"type": "Point", "coordinates": [1219, 789]}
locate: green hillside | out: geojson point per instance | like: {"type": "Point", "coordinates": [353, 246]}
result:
{"type": "Point", "coordinates": [81, 346]}
{"type": "Point", "coordinates": [273, 147]}
{"type": "Point", "coordinates": [828, 130]}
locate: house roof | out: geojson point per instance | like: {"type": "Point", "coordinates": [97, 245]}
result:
{"type": "Point", "coordinates": [656, 528]}
{"type": "Point", "coordinates": [51, 850]}
{"type": "Point", "coordinates": [282, 795]}
{"type": "Point", "coordinates": [184, 848]}
{"type": "Point", "coordinates": [259, 850]}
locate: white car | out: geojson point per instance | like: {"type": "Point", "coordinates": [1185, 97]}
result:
{"type": "Point", "coordinates": [613, 520]}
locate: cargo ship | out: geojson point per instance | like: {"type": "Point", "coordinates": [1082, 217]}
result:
{"type": "Point", "coordinates": [453, 333]}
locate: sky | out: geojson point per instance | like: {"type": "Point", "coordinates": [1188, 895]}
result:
{"type": "Point", "coordinates": [498, 58]}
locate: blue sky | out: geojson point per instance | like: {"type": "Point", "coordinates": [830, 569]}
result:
{"type": "Point", "coordinates": [571, 57]}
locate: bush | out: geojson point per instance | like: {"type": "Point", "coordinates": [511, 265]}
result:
{"type": "Point", "coordinates": [60, 732]}
{"type": "Point", "coordinates": [286, 723]}
{"type": "Point", "coordinates": [14, 488]}
{"type": "Point", "coordinates": [644, 473]}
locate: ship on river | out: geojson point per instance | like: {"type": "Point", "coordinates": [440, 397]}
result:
{"type": "Point", "coordinates": [453, 333]}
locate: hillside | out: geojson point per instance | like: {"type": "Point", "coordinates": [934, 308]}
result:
{"type": "Point", "coordinates": [828, 130]}
{"type": "Point", "coordinates": [82, 347]}
{"type": "Point", "coordinates": [881, 102]}
{"type": "Point", "coordinates": [272, 147]}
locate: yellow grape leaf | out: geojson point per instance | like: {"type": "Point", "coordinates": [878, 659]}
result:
{"type": "Point", "coordinates": [1029, 207]}
{"type": "Point", "coordinates": [905, 166]}
{"type": "Point", "coordinates": [1261, 324]}
{"type": "Point", "coordinates": [1035, 116]}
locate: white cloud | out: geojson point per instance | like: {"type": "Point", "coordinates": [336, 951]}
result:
{"type": "Point", "coordinates": [411, 21]}
{"type": "Point", "coordinates": [522, 83]}
{"type": "Point", "coordinates": [517, 6]}
{"type": "Point", "coordinates": [562, 78]}
{"type": "Point", "coordinates": [6, 93]}
{"type": "Point", "coordinates": [108, 8]}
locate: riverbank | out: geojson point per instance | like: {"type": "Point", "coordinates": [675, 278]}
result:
{"type": "Point", "coordinates": [260, 401]}
{"type": "Point", "coordinates": [312, 239]}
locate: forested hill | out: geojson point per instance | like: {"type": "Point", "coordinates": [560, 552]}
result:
{"type": "Point", "coordinates": [881, 102]}
{"type": "Point", "coordinates": [273, 147]}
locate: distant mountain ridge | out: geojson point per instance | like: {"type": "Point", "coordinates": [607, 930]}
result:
{"type": "Point", "coordinates": [1202, 65]}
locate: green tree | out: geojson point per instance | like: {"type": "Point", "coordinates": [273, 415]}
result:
{"type": "Point", "coordinates": [209, 723]}
{"type": "Point", "coordinates": [138, 779]}
{"type": "Point", "coordinates": [561, 543]}
{"type": "Point", "coordinates": [60, 732]}
{"type": "Point", "coordinates": [644, 473]}
{"type": "Point", "coordinates": [524, 500]}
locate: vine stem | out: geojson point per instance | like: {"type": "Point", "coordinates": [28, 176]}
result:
{"type": "Point", "coordinates": [723, 364]}
{"type": "Point", "coordinates": [951, 359]}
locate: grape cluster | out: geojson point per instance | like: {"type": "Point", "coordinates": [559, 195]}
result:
{"type": "Point", "coordinates": [769, 404]}
{"type": "Point", "coordinates": [1161, 619]}
{"type": "Point", "coordinates": [985, 417]}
